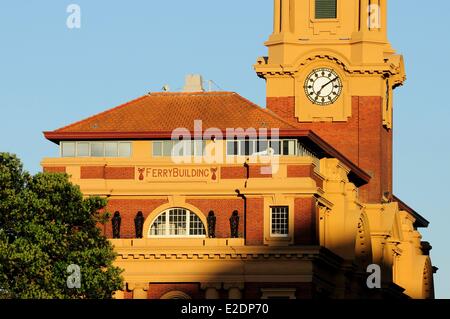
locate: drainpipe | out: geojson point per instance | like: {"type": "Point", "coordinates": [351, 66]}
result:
{"type": "Point", "coordinates": [239, 194]}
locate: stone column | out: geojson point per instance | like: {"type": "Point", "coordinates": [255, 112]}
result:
{"type": "Point", "coordinates": [140, 293]}
{"type": "Point", "coordinates": [285, 16]}
{"type": "Point", "coordinates": [234, 293]}
{"type": "Point", "coordinates": [364, 15]}
{"type": "Point", "coordinates": [119, 294]}
{"type": "Point", "coordinates": [139, 290]}
{"type": "Point", "coordinates": [277, 15]}
{"type": "Point", "coordinates": [211, 293]}
{"type": "Point", "coordinates": [211, 290]}
{"type": "Point", "coordinates": [234, 290]}
{"type": "Point", "coordinates": [383, 16]}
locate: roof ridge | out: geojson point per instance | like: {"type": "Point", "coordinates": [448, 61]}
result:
{"type": "Point", "coordinates": [191, 93]}
{"type": "Point", "coordinates": [102, 113]}
{"type": "Point", "coordinates": [268, 112]}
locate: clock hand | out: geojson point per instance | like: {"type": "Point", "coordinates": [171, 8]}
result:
{"type": "Point", "coordinates": [325, 85]}
{"type": "Point", "coordinates": [331, 81]}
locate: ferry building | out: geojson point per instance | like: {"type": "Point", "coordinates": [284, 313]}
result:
{"type": "Point", "coordinates": [212, 196]}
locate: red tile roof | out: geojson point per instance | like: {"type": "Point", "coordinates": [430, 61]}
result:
{"type": "Point", "coordinates": [162, 112]}
{"type": "Point", "coordinates": [156, 115]}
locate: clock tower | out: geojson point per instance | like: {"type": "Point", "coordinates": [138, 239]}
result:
{"type": "Point", "coordinates": [331, 69]}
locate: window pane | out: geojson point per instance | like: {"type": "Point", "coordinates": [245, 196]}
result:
{"type": "Point", "coordinates": [167, 148]}
{"type": "Point", "coordinates": [289, 147]}
{"type": "Point", "coordinates": [157, 148]}
{"type": "Point", "coordinates": [82, 149]}
{"type": "Point", "coordinates": [292, 148]}
{"type": "Point", "coordinates": [159, 226]}
{"type": "Point", "coordinates": [326, 9]}
{"type": "Point", "coordinates": [232, 148]}
{"type": "Point", "coordinates": [177, 222]}
{"type": "Point", "coordinates": [124, 149]}
{"type": "Point", "coordinates": [97, 150]}
{"type": "Point", "coordinates": [196, 227]}
{"type": "Point", "coordinates": [280, 218]}
{"type": "Point", "coordinates": [285, 147]}
{"type": "Point", "coordinates": [187, 148]}
{"type": "Point", "coordinates": [199, 147]}
{"type": "Point", "coordinates": [245, 148]}
{"type": "Point", "coordinates": [249, 147]}
{"type": "Point", "coordinates": [68, 149]}
{"type": "Point", "coordinates": [276, 147]}
{"type": "Point", "coordinates": [176, 148]}
{"type": "Point", "coordinates": [111, 149]}
{"type": "Point", "coordinates": [262, 146]}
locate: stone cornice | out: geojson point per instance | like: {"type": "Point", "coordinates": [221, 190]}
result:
{"type": "Point", "coordinates": [250, 253]}
{"type": "Point", "coordinates": [264, 69]}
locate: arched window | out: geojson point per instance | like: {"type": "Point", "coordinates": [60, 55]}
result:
{"type": "Point", "coordinates": [177, 222]}
{"type": "Point", "coordinates": [176, 295]}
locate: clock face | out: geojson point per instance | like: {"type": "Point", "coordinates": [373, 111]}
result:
{"type": "Point", "coordinates": [323, 86]}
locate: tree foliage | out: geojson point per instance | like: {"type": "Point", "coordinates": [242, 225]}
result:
{"type": "Point", "coordinates": [45, 226]}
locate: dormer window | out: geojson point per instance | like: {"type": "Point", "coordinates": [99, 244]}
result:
{"type": "Point", "coordinates": [326, 9]}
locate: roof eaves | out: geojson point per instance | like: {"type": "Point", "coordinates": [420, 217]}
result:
{"type": "Point", "coordinates": [421, 222]}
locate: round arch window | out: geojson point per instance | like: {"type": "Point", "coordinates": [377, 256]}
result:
{"type": "Point", "coordinates": [177, 222]}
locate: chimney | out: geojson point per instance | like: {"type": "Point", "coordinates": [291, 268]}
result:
{"type": "Point", "coordinates": [193, 83]}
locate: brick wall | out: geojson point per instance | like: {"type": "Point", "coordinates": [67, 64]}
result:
{"type": "Point", "coordinates": [128, 209]}
{"type": "Point", "coordinates": [305, 215]}
{"type": "Point", "coordinates": [107, 172]}
{"type": "Point", "coordinates": [157, 290]}
{"type": "Point", "coordinates": [223, 208]}
{"type": "Point", "coordinates": [119, 172]}
{"type": "Point", "coordinates": [362, 139]}
{"type": "Point", "coordinates": [251, 290]}
{"type": "Point", "coordinates": [296, 171]}
{"type": "Point", "coordinates": [60, 169]}
{"type": "Point", "coordinates": [233, 172]}
{"type": "Point", "coordinates": [128, 295]}
{"type": "Point", "coordinates": [283, 107]}
{"type": "Point", "coordinates": [305, 223]}
{"type": "Point", "coordinates": [240, 172]}
{"type": "Point", "coordinates": [92, 172]}
{"type": "Point", "coordinates": [255, 221]}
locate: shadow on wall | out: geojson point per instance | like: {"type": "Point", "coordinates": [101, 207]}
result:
{"type": "Point", "coordinates": [234, 268]}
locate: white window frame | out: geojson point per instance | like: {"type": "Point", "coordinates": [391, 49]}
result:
{"type": "Point", "coordinates": [116, 146]}
{"type": "Point", "coordinates": [61, 149]}
{"type": "Point", "coordinates": [254, 142]}
{"type": "Point", "coordinates": [191, 145]}
{"type": "Point", "coordinates": [89, 149]}
{"type": "Point", "coordinates": [271, 222]}
{"type": "Point", "coordinates": [131, 149]}
{"type": "Point", "coordinates": [167, 225]}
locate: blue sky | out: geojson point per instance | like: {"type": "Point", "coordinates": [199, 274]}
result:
{"type": "Point", "coordinates": [51, 76]}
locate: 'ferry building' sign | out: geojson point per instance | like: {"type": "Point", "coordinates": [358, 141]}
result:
{"type": "Point", "coordinates": [159, 174]}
